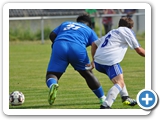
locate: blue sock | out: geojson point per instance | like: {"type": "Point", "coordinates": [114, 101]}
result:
{"type": "Point", "coordinates": [50, 82]}
{"type": "Point", "coordinates": [99, 92]}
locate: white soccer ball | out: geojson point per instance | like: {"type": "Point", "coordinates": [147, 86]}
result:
{"type": "Point", "coordinates": [16, 98]}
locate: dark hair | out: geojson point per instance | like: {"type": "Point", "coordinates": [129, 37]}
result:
{"type": "Point", "coordinates": [126, 22]}
{"type": "Point", "coordinates": [84, 18]}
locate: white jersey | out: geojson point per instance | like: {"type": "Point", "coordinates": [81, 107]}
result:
{"type": "Point", "coordinates": [113, 46]}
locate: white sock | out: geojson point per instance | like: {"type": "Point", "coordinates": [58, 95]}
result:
{"type": "Point", "coordinates": [124, 91]}
{"type": "Point", "coordinates": [112, 95]}
{"type": "Point", "coordinates": [103, 97]}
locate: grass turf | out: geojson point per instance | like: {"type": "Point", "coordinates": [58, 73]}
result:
{"type": "Point", "coordinates": [28, 61]}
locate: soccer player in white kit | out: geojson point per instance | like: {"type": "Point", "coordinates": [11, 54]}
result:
{"type": "Point", "coordinates": [108, 51]}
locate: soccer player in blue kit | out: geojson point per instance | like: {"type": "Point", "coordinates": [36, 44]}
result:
{"type": "Point", "coordinates": [107, 53]}
{"type": "Point", "coordinates": [69, 42]}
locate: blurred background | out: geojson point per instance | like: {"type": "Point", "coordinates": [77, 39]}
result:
{"type": "Point", "coordinates": [36, 24]}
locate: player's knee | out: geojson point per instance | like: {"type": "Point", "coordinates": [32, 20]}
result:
{"type": "Point", "coordinates": [51, 76]}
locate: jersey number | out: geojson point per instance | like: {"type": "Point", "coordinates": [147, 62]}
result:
{"type": "Point", "coordinates": [71, 26]}
{"type": "Point", "coordinates": [106, 40]}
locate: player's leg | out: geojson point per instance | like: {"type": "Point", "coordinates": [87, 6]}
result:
{"type": "Point", "coordinates": [109, 27]}
{"type": "Point", "coordinates": [52, 83]}
{"type": "Point", "coordinates": [56, 67]}
{"type": "Point", "coordinates": [114, 72]}
{"type": "Point", "coordinates": [105, 28]}
{"type": "Point", "coordinates": [78, 59]}
{"type": "Point", "coordinates": [93, 84]}
{"type": "Point", "coordinates": [113, 92]}
{"type": "Point", "coordinates": [126, 100]}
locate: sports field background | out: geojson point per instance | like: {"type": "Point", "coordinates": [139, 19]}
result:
{"type": "Point", "coordinates": [28, 61]}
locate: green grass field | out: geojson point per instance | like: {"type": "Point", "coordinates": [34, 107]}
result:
{"type": "Point", "coordinates": [28, 61]}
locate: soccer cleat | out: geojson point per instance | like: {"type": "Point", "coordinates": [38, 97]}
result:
{"type": "Point", "coordinates": [52, 94]}
{"type": "Point", "coordinates": [103, 107]}
{"type": "Point", "coordinates": [101, 100]}
{"type": "Point", "coordinates": [129, 101]}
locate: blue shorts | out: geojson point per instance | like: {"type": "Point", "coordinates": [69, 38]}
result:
{"type": "Point", "coordinates": [63, 53]}
{"type": "Point", "coordinates": [110, 71]}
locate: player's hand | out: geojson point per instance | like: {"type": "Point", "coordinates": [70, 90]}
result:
{"type": "Point", "coordinates": [92, 64]}
{"type": "Point", "coordinates": [88, 67]}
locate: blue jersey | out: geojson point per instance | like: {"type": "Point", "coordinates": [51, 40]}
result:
{"type": "Point", "coordinates": [75, 32]}
{"type": "Point", "coordinates": [70, 46]}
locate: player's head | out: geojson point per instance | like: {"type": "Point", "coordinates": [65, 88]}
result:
{"type": "Point", "coordinates": [84, 18]}
{"type": "Point", "coordinates": [126, 22]}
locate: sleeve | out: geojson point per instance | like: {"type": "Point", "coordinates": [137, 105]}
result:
{"type": "Point", "coordinates": [131, 39]}
{"type": "Point", "coordinates": [93, 37]}
{"type": "Point", "coordinates": [99, 41]}
{"type": "Point", "coordinates": [56, 30]}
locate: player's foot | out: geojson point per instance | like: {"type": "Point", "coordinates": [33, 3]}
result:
{"type": "Point", "coordinates": [52, 94]}
{"type": "Point", "coordinates": [101, 100]}
{"type": "Point", "coordinates": [129, 101]}
{"type": "Point", "coordinates": [103, 107]}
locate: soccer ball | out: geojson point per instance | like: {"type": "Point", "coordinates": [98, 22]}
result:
{"type": "Point", "coordinates": [16, 98]}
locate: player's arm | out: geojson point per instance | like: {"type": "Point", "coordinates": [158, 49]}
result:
{"type": "Point", "coordinates": [95, 45]}
{"type": "Point", "coordinates": [52, 36]}
{"type": "Point", "coordinates": [133, 42]}
{"type": "Point", "coordinates": [93, 50]}
{"type": "Point", "coordinates": [140, 51]}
